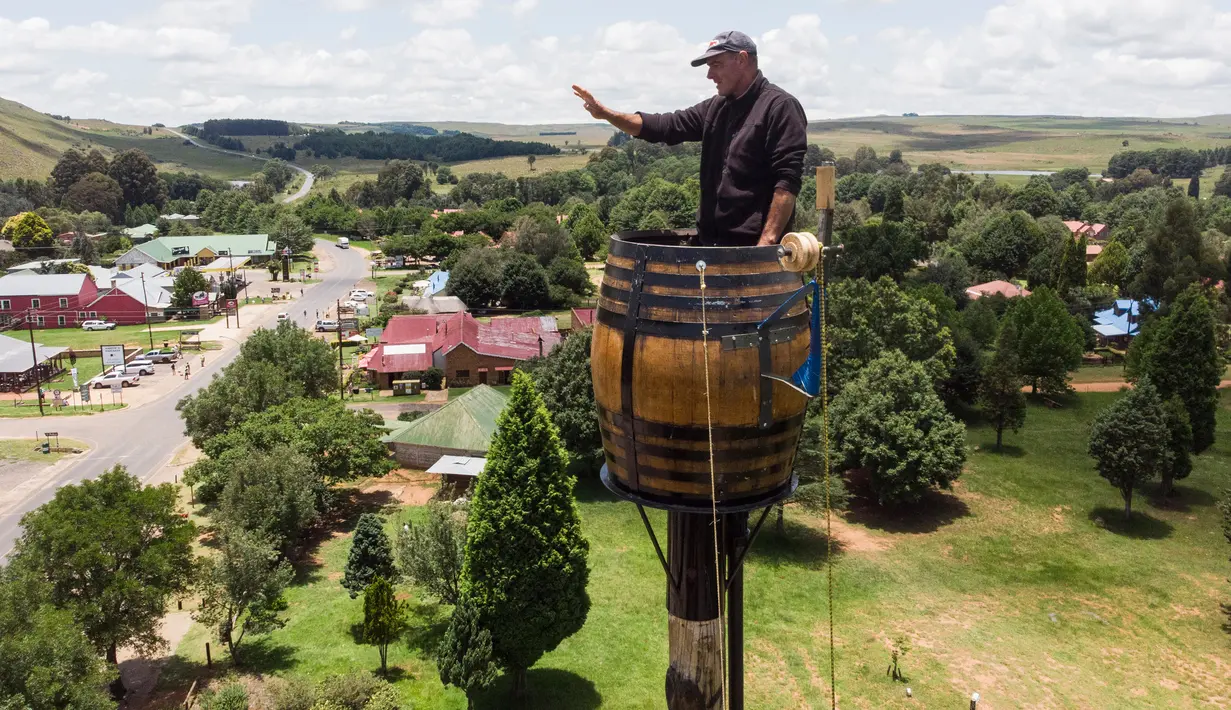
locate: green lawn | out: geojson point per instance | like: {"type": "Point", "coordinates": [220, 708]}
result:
{"type": "Point", "coordinates": [1023, 584]}
{"type": "Point", "coordinates": [28, 449]}
{"type": "Point", "coordinates": [29, 408]}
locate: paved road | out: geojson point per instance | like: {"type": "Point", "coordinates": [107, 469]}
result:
{"type": "Point", "coordinates": [144, 439]}
{"type": "Point", "coordinates": [308, 178]}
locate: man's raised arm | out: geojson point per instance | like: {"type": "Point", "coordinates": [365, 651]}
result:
{"type": "Point", "coordinates": [630, 123]}
{"type": "Point", "coordinates": [670, 128]}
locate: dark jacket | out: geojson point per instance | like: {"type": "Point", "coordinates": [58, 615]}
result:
{"type": "Point", "coordinates": [750, 146]}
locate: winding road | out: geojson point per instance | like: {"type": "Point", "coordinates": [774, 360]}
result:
{"type": "Point", "coordinates": [303, 190]}
{"type": "Point", "coordinates": [145, 438]}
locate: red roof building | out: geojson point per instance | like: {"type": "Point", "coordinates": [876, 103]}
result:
{"type": "Point", "coordinates": [1094, 232]}
{"type": "Point", "coordinates": [469, 352]}
{"type": "Point", "coordinates": [581, 318]}
{"type": "Point", "coordinates": [1004, 288]}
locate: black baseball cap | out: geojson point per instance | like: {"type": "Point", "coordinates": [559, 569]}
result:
{"type": "Point", "coordinates": [729, 41]}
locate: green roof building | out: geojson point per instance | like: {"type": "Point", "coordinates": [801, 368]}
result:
{"type": "Point", "coordinates": [170, 252]}
{"type": "Point", "coordinates": [463, 427]}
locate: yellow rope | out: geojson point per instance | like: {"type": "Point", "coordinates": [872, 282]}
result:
{"type": "Point", "coordinates": [824, 393]}
{"type": "Point", "coordinates": [709, 423]}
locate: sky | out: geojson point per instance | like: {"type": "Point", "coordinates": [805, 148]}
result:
{"type": "Point", "coordinates": [513, 61]}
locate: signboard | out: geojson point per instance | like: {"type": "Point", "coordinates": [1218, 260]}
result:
{"type": "Point", "coordinates": [113, 355]}
{"type": "Point", "coordinates": [349, 324]}
{"type": "Point", "coordinates": [74, 371]}
{"type": "Point", "coordinates": [275, 290]}
{"type": "Point", "coordinates": [85, 393]}
{"type": "Point", "coordinates": [232, 304]}
{"type": "Point", "coordinates": [116, 387]}
{"type": "Point", "coordinates": [51, 433]}
{"type": "Point", "coordinates": [200, 298]}
{"type": "Point", "coordinates": [374, 334]}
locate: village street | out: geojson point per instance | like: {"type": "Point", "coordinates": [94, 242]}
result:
{"type": "Point", "coordinates": [144, 438]}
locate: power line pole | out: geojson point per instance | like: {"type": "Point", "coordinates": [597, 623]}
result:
{"type": "Point", "coordinates": [146, 305]}
{"type": "Point", "coordinates": [38, 385]}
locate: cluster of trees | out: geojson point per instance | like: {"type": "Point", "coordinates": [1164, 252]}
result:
{"type": "Point", "coordinates": [88, 182]}
{"type": "Point", "coordinates": [1172, 162]}
{"type": "Point", "coordinates": [334, 143]}
{"type": "Point", "coordinates": [274, 445]}
{"type": "Point", "coordinates": [245, 127]}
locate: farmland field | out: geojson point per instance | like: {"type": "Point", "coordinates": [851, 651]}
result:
{"type": "Point", "coordinates": [1023, 584]}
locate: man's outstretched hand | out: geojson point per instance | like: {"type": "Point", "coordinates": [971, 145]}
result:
{"type": "Point", "coordinates": [591, 104]}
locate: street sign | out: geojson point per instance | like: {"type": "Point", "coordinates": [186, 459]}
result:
{"type": "Point", "coordinates": [51, 433]}
{"type": "Point", "coordinates": [275, 290]}
{"type": "Point", "coordinates": [74, 371]}
{"type": "Point", "coordinates": [349, 324]}
{"type": "Point", "coordinates": [116, 387]}
{"type": "Point", "coordinates": [232, 303]}
{"type": "Point", "coordinates": [113, 355]}
{"type": "Point", "coordinates": [374, 333]}
{"type": "Point", "coordinates": [85, 393]}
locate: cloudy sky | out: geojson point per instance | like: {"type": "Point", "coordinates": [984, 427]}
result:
{"type": "Point", "coordinates": [512, 61]}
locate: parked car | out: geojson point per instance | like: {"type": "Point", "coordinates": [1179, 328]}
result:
{"type": "Point", "coordinates": [349, 305]}
{"type": "Point", "coordinates": [97, 325]}
{"type": "Point", "coordinates": [360, 294]}
{"type": "Point", "coordinates": [107, 379]}
{"type": "Point", "coordinates": [160, 355]}
{"type": "Point", "coordinates": [283, 317]}
{"type": "Point", "coordinates": [140, 365]}
{"type": "Point", "coordinates": [326, 325]}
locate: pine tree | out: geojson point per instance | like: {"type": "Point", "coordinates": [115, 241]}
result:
{"type": "Point", "coordinates": [371, 555]}
{"type": "Point", "coordinates": [525, 568]}
{"type": "Point", "coordinates": [1000, 394]}
{"type": "Point", "coordinates": [1194, 187]}
{"type": "Point", "coordinates": [1130, 442]}
{"type": "Point", "coordinates": [1179, 353]}
{"type": "Point", "coordinates": [384, 618]}
{"type": "Point", "coordinates": [1180, 441]}
{"type": "Point", "coordinates": [1072, 272]}
{"type": "Point", "coordinates": [465, 654]}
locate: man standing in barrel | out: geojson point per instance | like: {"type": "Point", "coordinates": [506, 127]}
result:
{"type": "Point", "coordinates": [753, 137]}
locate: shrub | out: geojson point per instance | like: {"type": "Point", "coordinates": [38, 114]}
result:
{"type": "Point", "coordinates": [389, 297]}
{"type": "Point", "coordinates": [290, 694]}
{"type": "Point", "coordinates": [350, 691]}
{"type": "Point", "coordinates": [433, 378]}
{"type": "Point", "coordinates": [385, 698]}
{"type": "Point", "coordinates": [409, 416]}
{"type": "Point", "coordinates": [231, 696]}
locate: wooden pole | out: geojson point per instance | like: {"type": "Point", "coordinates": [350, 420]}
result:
{"type": "Point", "coordinates": [694, 672]}
{"type": "Point", "coordinates": [735, 541]}
{"type": "Point", "coordinates": [825, 199]}
{"type": "Point", "coordinates": [209, 661]}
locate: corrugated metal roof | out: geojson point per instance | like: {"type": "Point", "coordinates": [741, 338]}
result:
{"type": "Point", "coordinates": [15, 354]}
{"type": "Point", "coordinates": [163, 249]}
{"type": "Point", "coordinates": [466, 423]}
{"type": "Point", "coordinates": [459, 465]}
{"type": "Point", "coordinates": [38, 264]}
{"type": "Point", "coordinates": [42, 284]}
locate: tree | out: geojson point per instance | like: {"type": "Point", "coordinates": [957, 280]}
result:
{"type": "Point", "coordinates": [1179, 353]}
{"type": "Point", "coordinates": [1194, 187]}
{"type": "Point", "coordinates": [886, 249]}
{"type": "Point", "coordinates": [563, 379]}
{"type": "Point", "coordinates": [1180, 443]}
{"type": "Point", "coordinates": [526, 569]}
{"type": "Point", "coordinates": [384, 618]}
{"type": "Point", "coordinates": [241, 589]}
{"type": "Point", "coordinates": [96, 193]}
{"type": "Point", "coordinates": [465, 656]}
{"type": "Point", "coordinates": [83, 248]}
{"type": "Point", "coordinates": [1110, 267]}
{"type": "Point", "coordinates": [273, 491]}
{"type": "Point", "coordinates": [1130, 441]}
{"type": "Point", "coordinates": [431, 553]}
{"type": "Point", "coordinates": [46, 662]}
{"type": "Point", "coordinates": [1000, 395]}
{"type": "Point", "coordinates": [890, 421]}
{"type": "Point", "coordinates": [188, 282]}
{"type": "Point", "coordinates": [28, 231]}
{"type": "Point", "coordinates": [1072, 271]}
{"type": "Point", "coordinates": [1223, 186]}
{"type": "Point", "coordinates": [71, 167]}
{"type": "Point", "coordinates": [114, 552]}
{"type": "Point", "coordinates": [1049, 340]}
{"type": "Point", "coordinates": [444, 174]}
{"type": "Point", "coordinates": [810, 460]}
{"type": "Point", "coordinates": [869, 319]}
{"type": "Point", "coordinates": [277, 174]}
{"type": "Point", "coordinates": [1175, 254]}
{"type": "Point", "coordinates": [1037, 198]}
{"type": "Point", "coordinates": [530, 162]}
{"type": "Point", "coordinates": [1004, 245]}
{"type": "Point", "coordinates": [138, 178]}
{"type": "Point", "coordinates": [322, 171]}
{"type": "Point", "coordinates": [476, 277]}
{"type": "Point", "coordinates": [371, 555]}
{"type": "Point", "coordinates": [523, 283]}
{"type": "Point", "coordinates": [589, 233]}
{"type": "Point", "coordinates": [399, 179]}
{"type": "Point", "coordinates": [288, 230]}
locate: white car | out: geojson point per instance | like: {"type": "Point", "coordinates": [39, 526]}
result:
{"type": "Point", "coordinates": [97, 325]}
{"type": "Point", "coordinates": [106, 380]}
{"type": "Point", "coordinates": [361, 295]}
{"type": "Point", "coordinates": [283, 317]}
{"type": "Point", "coordinates": [140, 365]}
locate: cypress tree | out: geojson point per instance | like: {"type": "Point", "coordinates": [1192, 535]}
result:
{"type": "Point", "coordinates": [525, 569]}
{"type": "Point", "coordinates": [371, 555]}
{"type": "Point", "coordinates": [1000, 394]}
{"type": "Point", "coordinates": [384, 618]}
{"type": "Point", "coordinates": [465, 654]}
{"type": "Point", "coordinates": [1180, 441]}
{"type": "Point", "coordinates": [1194, 187]}
{"type": "Point", "coordinates": [1180, 355]}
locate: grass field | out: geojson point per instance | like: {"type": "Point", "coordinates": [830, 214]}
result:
{"type": "Point", "coordinates": [29, 408]}
{"type": "Point", "coordinates": [1023, 584]}
{"type": "Point", "coordinates": [27, 450]}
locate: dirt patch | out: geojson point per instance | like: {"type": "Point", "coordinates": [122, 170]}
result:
{"type": "Point", "coordinates": [1181, 610]}
{"type": "Point", "coordinates": [855, 538]}
{"type": "Point", "coordinates": [405, 486]}
{"type": "Point", "coordinates": [141, 674]}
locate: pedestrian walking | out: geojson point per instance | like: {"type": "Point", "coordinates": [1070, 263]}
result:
{"type": "Point", "coordinates": [202, 361]}
{"type": "Point", "coordinates": [172, 367]}
{"type": "Point", "coordinates": [187, 369]}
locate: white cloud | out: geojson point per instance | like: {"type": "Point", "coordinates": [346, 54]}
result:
{"type": "Point", "coordinates": [77, 80]}
{"type": "Point", "coordinates": [521, 7]}
{"type": "Point", "coordinates": [348, 33]}
{"type": "Point", "coordinates": [443, 12]}
{"type": "Point", "coordinates": [349, 5]}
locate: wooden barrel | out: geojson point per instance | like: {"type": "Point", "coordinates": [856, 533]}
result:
{"type": "Point", "coordinates": [649, 381]}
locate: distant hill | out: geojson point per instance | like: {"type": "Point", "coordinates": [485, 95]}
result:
{"type": "Point", "coordinates": [30, 142]}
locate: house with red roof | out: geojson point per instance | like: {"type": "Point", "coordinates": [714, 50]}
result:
{"type": "Point", "coordinates": [1093, 232]}
{"type": "Point", "coordinates": [468, 351]}
{"type": "Point", "coordinates": [581, 318]}
{"type": "Point", "coordinates": [53, 300]}
{"type": "Point", "coordinates": [1004, 288]}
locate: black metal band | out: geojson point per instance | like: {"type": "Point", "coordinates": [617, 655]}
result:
{"type": "Point", "coordinates": [788, 279]}
{"type": "Point", "coordinates": [693, 303]}
{"type": "Point", "coordinates": [683, 504]}
{"type": "Point", "coordinates": [627, 357]}
{"type": "Point", "coordinates": [698, 433]}
{"type": "Point", "coordinates": [669, 246]}
{"type": "Point", "coordinates": [688, 331]}
{"type": "Point", "coordinates": [720, 455]}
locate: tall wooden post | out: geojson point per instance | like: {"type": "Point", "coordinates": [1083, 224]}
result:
{"type": "Point", "coordinates": [735, 541]}
{"type": "Point", "coordinates": [825, 176]}
{"type": "Point", "coordinates": [694, 674]}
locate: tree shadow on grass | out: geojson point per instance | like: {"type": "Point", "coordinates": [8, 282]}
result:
{"type": "Point", "coordinates": [591, 490]}
{"type": "Point", "coordinates": [934, 511]}
{"type": "Point", "coordinates": [1006, 450]}
{"type": "Point", "coordinates": [427, 625]}
{"type": "Point", "coordinates": [1139, 527]}
{"type": "Point", "coordinates": [545, 688]}
{"type": "Point", "coordinates": [798, 544]}
{"type": "Point", "coordinates": [1183, 499]}
{"type": "Point", "coordinates": [263, 656]}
